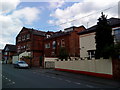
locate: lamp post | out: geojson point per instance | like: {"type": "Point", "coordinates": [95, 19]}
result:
{"type": "Point", "coordinates": [30, 55]}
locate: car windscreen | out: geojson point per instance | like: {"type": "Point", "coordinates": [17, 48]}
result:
{"type": "Point", "coordinates": [21, 62]}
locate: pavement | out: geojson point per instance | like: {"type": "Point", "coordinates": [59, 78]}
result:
{"type": "Point", "coordinates": [88, 78]}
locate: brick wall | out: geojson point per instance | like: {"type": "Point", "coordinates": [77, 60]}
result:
{"type": "Point", "coordinates": [71, 43]}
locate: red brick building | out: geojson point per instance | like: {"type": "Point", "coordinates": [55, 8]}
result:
{"type": "Point", "coordinates": [69, 39]}
{"type": "Point", "coordinates": [8, 52]}
{"type": "Point", "coordinates": [31, 40]}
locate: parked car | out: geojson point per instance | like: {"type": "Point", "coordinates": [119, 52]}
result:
{"type": "Point", "coordinates": [20, 64]}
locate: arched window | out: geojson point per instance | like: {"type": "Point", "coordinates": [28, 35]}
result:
{"type": "Point", "coordinates": [54, 44]}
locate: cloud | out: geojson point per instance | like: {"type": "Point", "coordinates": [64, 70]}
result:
{"type": "Point", "coordinates": [8, 5]}
{"type": "Point", "coordinates": [56, 3]}
{"type": "Point", "coordinates": [12, 23]}
{"type": "Point", "coordinates": [28, 14]}
{"type": "Point", "coordinates": [78, 10]}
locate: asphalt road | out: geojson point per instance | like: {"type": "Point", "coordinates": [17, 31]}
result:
{"type": "Point", "coordinates": [37, 78]}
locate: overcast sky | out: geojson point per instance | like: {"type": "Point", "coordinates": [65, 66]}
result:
{"type": "Point", "coordinates": [14, 14]}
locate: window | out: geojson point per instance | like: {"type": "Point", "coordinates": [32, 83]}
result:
{"type": "Point", "coordinates": [18, 47]}
{"type": "Point", "coordinates": [19, 39]}
{"type": "Point", "coordinates": [28, 46]}
{"type": "Point", "coordinates": [47, 45]}
{"type": "Point", "coordinates": [91, 54]}
{"type": "Point", "coordinates": [58, 43]}
{"type": "Point", "coordinates": [54, 44]}
{"type": "Point", "coordinates": [117, 35]}
{"type": "Point", "coordinates": [5, 53]}
{"type": "Point", "coordinates": [21, 47]}
{"type": "Point", "coordinates": [28, 36]}
{"type": "Point", "coordinates": [24, 46]}
{"type": "Point", "coordinates": [23, 37]}
{"type": "Point", "coordinates": [62, 43]}
{"type": "Point", "coordinates": [52, 53]}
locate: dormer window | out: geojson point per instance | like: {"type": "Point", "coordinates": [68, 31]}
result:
{"type": "Point", "coordinates": [48, 36]}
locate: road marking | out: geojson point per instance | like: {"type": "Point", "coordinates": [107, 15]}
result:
{"type": "Point", "coordinates": [34, 72]}
{"type": "Point", "coordinates": [68, 80]}
{"type": "Point", "coordinates": [3, 76]}
{"type": "Point", "coordinates": [60, 78]}
{"type": "Point", "coordinates": [9, 84]}
{"type": "Point", "coordinates": [53, 77]}
{"type": "Point", "coordinates": [47, 76]}
{"type": "Point", "coordinates": [6, 78]}
{"type": "Point", "coordinates": [89, 86]}
{"type": "Point", "coordinates": [9, 80]}
{"type": "Point", "coordinates": [77, 83]}
{"type": "Point", "coordinates": [13, 82]}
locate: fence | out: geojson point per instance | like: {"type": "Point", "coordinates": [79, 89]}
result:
{"type": "Point", "coordinates": [100, 67]}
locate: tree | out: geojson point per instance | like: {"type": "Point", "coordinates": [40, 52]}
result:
{"type": "Point", "coordinates": [63, 54]}
{"type": "Point", "coordinates": [104, 38]}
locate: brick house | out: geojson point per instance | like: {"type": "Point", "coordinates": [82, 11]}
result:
{"type": "Point", "coordinates": [8, 52]}
{"type": "Point", "coordinates": [31, 41]}
{"type": "Point", "coordinates": [87, 64]}
{"type": "Point", "coordinates": [67, 39]}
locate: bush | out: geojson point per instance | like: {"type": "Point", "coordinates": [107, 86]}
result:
{"type": "Point", "coordinates": [63, 54]}
{"type": "Point", "coordinates": [27, 57]}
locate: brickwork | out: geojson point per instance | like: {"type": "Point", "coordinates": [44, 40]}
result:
{"type": "Point", "coordinates": [32, 41]}
{"type": "Point", "coordinates": [70, 39]}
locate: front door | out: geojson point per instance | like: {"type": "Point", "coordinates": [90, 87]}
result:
{"type": "Point", "coordinates": [41, 60]}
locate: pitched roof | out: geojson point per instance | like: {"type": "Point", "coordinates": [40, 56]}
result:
{"type": "Point", "coordinates": [10, 48]}
{"type": "Point", "coordinates": [58, 34]}
{"type": "Point", "coordinates": [113, 22]}
{"type": "Point", "coordinates": [36, 32]}
{"type": "Point", "coordinates": [63, 33]}
{"type": "Point", "coordinates": [33, 31]}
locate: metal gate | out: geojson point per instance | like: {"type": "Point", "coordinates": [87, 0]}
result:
{"type": "Point", "coordinates": [49, 64]}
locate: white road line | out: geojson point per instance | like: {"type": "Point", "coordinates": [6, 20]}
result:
{"type": "Point", "coordinates": [13, 82]}
{"type": "Point", "coordinates": [9, 80]}
{"type": "Point", "coordinates": [53, 77]}
{"type": "Point", "coordinates": [47, 76]}
{"type": "Point", "coordinates": [6, 78]}
{"type": "Point", "coordinates": [3, 76]}
{"type": "Point", "coordinates": [77, 83]}
{"type": "Point", "coordinates": [60, 78]}
{"type": "Point", "coordinates": [89, 86]}
{"type": "Point", "coordinates": [68, 80]}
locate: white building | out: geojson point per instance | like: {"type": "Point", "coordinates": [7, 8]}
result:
{"type": "Point", "coordinates": [87, 38]}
